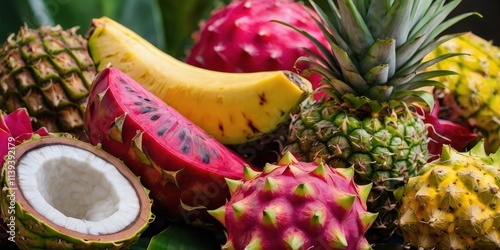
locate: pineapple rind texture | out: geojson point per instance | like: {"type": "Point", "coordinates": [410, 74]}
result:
{"type": "Point", "coordinates": [384, 150]}
{"type": "Point", "coordinates": [48, 71]}
{"type": "Point", "coordinates": [453, 202]}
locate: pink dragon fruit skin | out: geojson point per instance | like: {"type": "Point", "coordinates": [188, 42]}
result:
{"type": "Point", "coordinates": [444, 132]}
{"type": "Point", "coordinates": [296, 205]}
{"type": "Point", "coordinates": [15, 128]}
{"type": "Point", "coordinates": [241, 37]}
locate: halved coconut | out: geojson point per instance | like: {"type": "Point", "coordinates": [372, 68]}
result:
{"type": "Point", "coordinates": [63, 193]}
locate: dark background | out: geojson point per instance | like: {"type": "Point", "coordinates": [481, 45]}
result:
{"type": "Point", "coordinates": [487, 26]}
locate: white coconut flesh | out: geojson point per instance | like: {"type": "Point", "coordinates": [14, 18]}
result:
{"type": "Point", "coordinates": [77, 190]}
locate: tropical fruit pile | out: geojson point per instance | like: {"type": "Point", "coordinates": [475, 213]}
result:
{"type": "Point", "coordinates": [288, 125]}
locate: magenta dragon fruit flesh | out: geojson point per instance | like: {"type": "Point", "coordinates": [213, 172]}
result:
{"type": "Point", "coordinates": [182, 166]}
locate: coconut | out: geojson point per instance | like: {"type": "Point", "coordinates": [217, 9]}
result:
{"type": "Point", "coordinates": [61, 193]}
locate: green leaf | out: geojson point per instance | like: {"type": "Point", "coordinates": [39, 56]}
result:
{"type": "Point", "coordinates": [383, 51]}
{"type": "Point", "coordinates": [401, 79]}
{"type": "Point", "coordinates": [417, 77]}
{"type": "Point", "coordinates": [416, 96]}
{"type": "Point", "coordinates": [419, 9]}
{"type": "Point", "coordinates": [434, 73]}
{"type": "Point", "coordinates": [380, 92]}
{"type": "Point", "coordinates": [449, 23]}
{"type": "Point", "coordinates": [184, 237]}
{"type": "Point", "coordinates": [419, 84]}
{"type": "Point", "coordinates": [376, 16]}
{"type": "Point", "coordinates": [397, 21]}
{"type": "Point", "coordinates": [349, 70]}
{"type": "Point", "coordinates": [141, 244]}
{"type": "Point", "coordinates": [181, 18]}
{"type": "Point", "coordinates": [330, 30]}
{"type": "Point", "coordinates": [377, 75]}
{"type": "Point", "coordinates": [323, 62]}
{"type": "Point", "coordinates": [408, 49]}
{"type": "Point", "coordinates": [358, 33]}
{"type": "Point", "coordinates": [142, 16]}
{"type": "Point", "coordinates": [415, 63]}
{"type": "Point", "coordinates": [322, 48]}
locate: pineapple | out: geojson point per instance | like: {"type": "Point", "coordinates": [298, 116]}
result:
{"type": "Point", "coordinates": [471, 97]}
{"type": "Point", "coordinates": [373, 77]}
{"type": "Point", "coordinates": [48, 71]}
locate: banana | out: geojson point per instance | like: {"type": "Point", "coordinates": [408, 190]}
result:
{"type": "Point", "coordinates": [234, 108]}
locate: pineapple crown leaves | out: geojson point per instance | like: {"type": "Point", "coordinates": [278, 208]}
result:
{"type": "Point", "coordinates": [377, 47]}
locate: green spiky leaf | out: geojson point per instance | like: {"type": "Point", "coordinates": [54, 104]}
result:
{"type": "Point", "coordinates": [382, 52]}
{"type": "Point", "coordinates": [417, 96]}
{"type": "Point", "coordinates": [358, 34]}
{"type": "Point", "coordinates": [349, 70]}
{"type": "Point", "coordinates": [450, 22]}
{"type": "Point", "coordinates": [378, 45]}
{"type": "Point", "coordinates": [431, 74]}
{"type": "Point", "coordinates": [379, 92]}
{"type": "Point", "coordinates": [332, 33]}
{"type": "Point", "coordinates": [419, 84]}
{"type": "Point", "coordinates": [324, 50]}
{"type": "Point", "coordinates": [424, 51]}
{"type": "Point", "coordinates": [378, 74]}
{"type": "Point", "coordinates": [397, 23]}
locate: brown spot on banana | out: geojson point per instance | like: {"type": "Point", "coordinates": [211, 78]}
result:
{"type": "Point", "coordinates": [252, 127]}
{"type": "Point", "coordinates": [221, 126]}
{"type": "Point", "coordinates": [263, 99]}
{"type": "Point", "coordinates": [284, 90]}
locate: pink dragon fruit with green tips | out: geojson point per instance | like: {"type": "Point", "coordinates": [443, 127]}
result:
{"type": "Point", "coordinates": [296, 205]}
{"type": "Point", "coordinates": [242, 37]}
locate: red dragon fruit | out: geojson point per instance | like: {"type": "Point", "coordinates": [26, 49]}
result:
{"type": "Point", "coordinates": [444, 132]}
{"type": "Point", "coordinates": [15, 128]}
{"type": "Point", "coordinates": [182, 166]}
{"type": "Point", "coordinates": [242, 37]}
{"type": "Point", "coordinates": [296, 205]}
